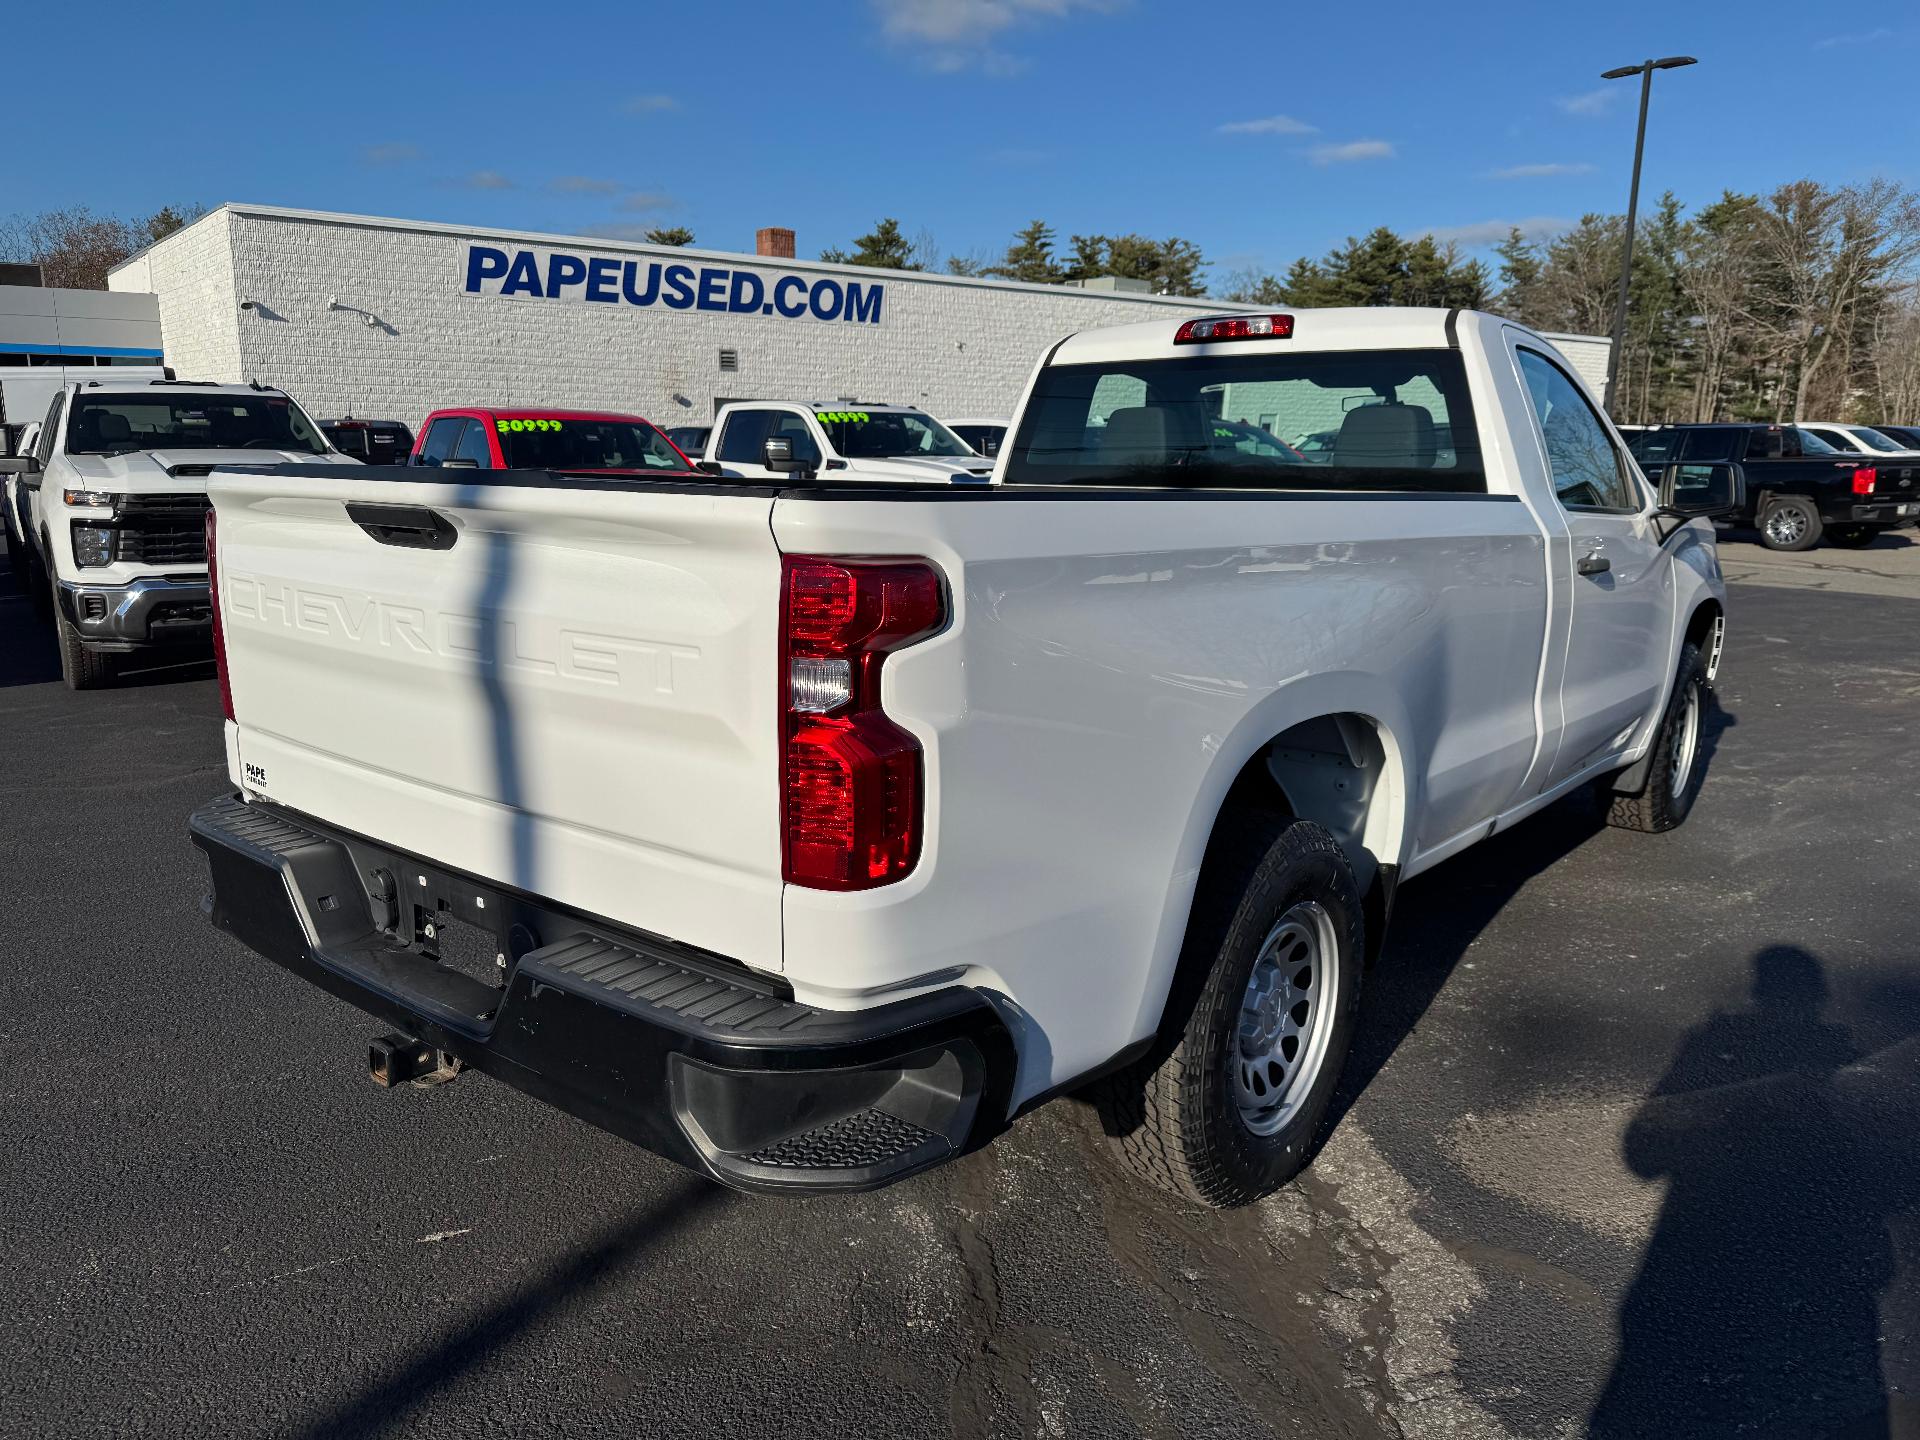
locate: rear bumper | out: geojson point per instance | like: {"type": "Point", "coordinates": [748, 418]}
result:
{"type": "Point", "coordinates": [683, 1053]}
{"type": "Point", "coordinates": [138, 613]}
{"type": "Point", "coordinates": [1849, 511]}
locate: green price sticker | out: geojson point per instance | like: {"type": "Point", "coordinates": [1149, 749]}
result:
{"type": "Point", "coordinates": [518, 426]}
{"type": "Point", "coordinates": [841, 417]}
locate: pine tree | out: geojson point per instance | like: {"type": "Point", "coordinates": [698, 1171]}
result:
{"type": "Point", "coordinates": [884, 249]}
{"type": "Point", "coordinates": [1030, 257]}
{"type": "Point", "coordinates": [1519, 277]}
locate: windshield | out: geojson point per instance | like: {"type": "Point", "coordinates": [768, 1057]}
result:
{"type": "Point", "coordinates": [122, 424]}
{"type": "Point", "coordinates": [1365, 420]}
{"type": "Point", "coordinates": [540, 443]}
{"type": "Point", "coordinates": [1874, 440]}
{"type": "Point", "coordinates": [1812, 444]}
{"type": "Point", "coordinates": [887, 434]}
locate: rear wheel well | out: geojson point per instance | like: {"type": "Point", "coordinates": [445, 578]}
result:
{"type": "Point", "coordinates": [1339, 771]}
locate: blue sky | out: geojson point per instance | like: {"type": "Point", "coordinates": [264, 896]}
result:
{"type": "Point", "coordinates": [1260, 130]}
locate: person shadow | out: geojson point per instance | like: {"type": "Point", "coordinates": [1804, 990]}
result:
{"type": "Point", "coordinates": [1756, 1311]}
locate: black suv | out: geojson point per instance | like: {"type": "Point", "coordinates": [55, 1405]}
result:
{"type": "Point", "coordinates": [376, 442]}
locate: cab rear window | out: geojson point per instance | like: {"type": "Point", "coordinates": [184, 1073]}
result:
{"type": "Point", "coordinates": [1367, 420]}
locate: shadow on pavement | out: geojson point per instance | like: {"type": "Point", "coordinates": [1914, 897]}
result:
{"type": "Point", "coordinates": [448, 1359]}
{"type": "Point", "coordinates": [1757, 1307]}
{"type": "Point", "coordinates": [1439, 915]}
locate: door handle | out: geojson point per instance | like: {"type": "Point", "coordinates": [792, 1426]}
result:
{"type": "Point", "coordinates": [413, 526]}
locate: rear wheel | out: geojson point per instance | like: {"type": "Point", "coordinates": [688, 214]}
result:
{"type": "Point", "coordinates": [1674, 772]}
{"type": "Point", "coordinates": [1790, 523]}
{"type": "Point", "coordinates": [37, 582]}
{"type": "Point", "coordinates": [1226, 1110]}
{"type": "Point", "coordinates": [1854, 537]}
{"type": "Point", "coordinates": [16, 561]}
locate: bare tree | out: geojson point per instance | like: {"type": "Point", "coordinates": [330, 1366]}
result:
{"type": "Point", "coordinates": [1827, 255]}
{"type": "Point", "coordinates": [1896, 357]}
{"type": "Point", "coordinates": [75, 248]}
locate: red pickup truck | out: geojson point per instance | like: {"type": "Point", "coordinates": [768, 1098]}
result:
{"type": "Point", "coordinates": [576, 441]}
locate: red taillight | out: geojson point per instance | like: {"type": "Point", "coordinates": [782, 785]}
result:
{"type": "Point", "coordinates": [219, 634]}
{"type": "Point", "coordinates": [1863, 480]}
{"type": "Point", "coordinates": [1235, 327]}
{"type": "Point", "coordinates": [851, 779]}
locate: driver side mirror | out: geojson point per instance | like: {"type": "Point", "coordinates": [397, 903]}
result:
{"type": "Point", "coordinates": [19, 464]}
{"type": "Point", "coordinates": [776, 453]}
{"type": "Point", "coordinates": [1695, 492]}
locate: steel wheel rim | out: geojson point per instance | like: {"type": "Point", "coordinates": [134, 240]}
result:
{"type": "Point", "coordinates": [1786, 524]}
{"type": "Point", "coordinates": [1686, 743]}
{"type": "Point", "coordinates": [1286, 1019]}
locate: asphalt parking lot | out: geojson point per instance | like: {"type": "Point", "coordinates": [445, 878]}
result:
{"type": "Point", "coordinates": [1627, 1146]}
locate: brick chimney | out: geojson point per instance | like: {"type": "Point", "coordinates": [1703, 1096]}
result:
{"type": "Point", "coordinates": [773, 241]}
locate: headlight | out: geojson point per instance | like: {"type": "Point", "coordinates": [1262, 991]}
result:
{"type": "Point", "coordinates": [92, 546]}
{"type": "Point", "coordinates": [88, 497]}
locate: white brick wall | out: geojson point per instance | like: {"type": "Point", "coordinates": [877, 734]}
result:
{"type": "Point", "coordinates": [956, 347]}
{"type": "Point", "coordinates": [191, 272]}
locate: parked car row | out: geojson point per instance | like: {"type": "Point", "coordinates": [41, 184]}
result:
{"type": "Point", "coordinates": [810, 841]}
{"type": "Point", "coordinates": [1846, 483]}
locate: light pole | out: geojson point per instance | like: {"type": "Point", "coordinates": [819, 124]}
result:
{"type": "Point", "coordinates": [1645, 71]}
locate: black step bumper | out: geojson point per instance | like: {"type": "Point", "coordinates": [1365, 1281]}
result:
{"type": "Point", "coordinates": [687, 1054]}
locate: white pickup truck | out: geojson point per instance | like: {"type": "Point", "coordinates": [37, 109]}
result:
{"type": "Point", "coordinates": [846, 440]}
{"type": "Point", "coordinates": [809, 833]}
{"type": "Point", "coordinates": [111, 506]}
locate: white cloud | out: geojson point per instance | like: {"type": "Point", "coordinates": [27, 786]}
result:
{"type": "Point", "coordinates": [481, 180]}
{"type": "Point", "coordinates": [1541, 172]}
{"type": "Point", "coordinates": [642, 202]}
{"type": "Point", "coordinates": [583, 185]}
{"type": "Point", "coordinates": [1589, 102]}
{"type": "Point", "coordinates": [1271, 125]}
{"type": "Point", "coordinates": [1492, 232]}
{"type": "Point", "coordinates": [1347, 151]}
{"type": "Point", "coordinates": [390, 152]}
{"type": "Point", "coordinates": [1861, 37]}
{"type": "Point", "coordinates": [949, 36]}
{"type": "Point", "coordinates": [649, 104]}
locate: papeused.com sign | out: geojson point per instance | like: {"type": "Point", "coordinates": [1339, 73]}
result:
{"type": "Point", "coordinates": [541, 274]}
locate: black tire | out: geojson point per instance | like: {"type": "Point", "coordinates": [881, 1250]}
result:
{"type": "Point", "coordinates": [1854, 537]}
{"type": "Point", "coordinates": [81, 668]}
{"type": "Point", "coordinates": [1662, 803]}
{"type": "Point", "coordinates": [17, 561]}
{"type": "Point", "coordinates": [1790, 522]}
{"type": "Point", "coordinates": [1174, 1115]}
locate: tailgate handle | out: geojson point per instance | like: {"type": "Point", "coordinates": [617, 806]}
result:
{"type": "Point", "coordinates": [414, 526]}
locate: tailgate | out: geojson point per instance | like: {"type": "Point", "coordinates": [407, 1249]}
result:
{"type": "Point", "coordinates": [565, 690]}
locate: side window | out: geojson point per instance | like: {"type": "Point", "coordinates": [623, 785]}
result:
{"type": "Point", "coordinates": [792, 427]}
{"type": "Point", "coordinates": [740, 441]}
{"type": "Point", "coordinates": [1719, 443]}
{"type": "Point", "coordinates": [442, 436]}
{"type": "Point", "coordinates": [1838, 439]}
{"type": "Point", "coordinates": [44, 450]}
{"type": "Point", "coordinates": [1587, 469]}
{"type": "Point", "coordinates": [473, 446]}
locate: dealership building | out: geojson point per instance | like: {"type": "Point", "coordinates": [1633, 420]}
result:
{"type": "Point", "coordinates": [393, 318]}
